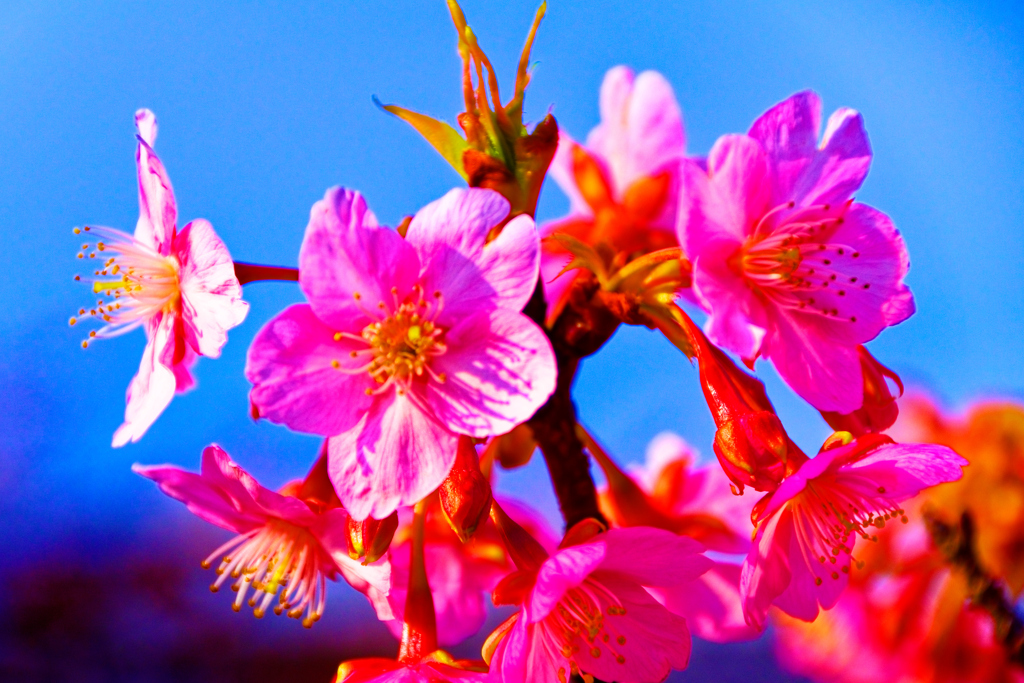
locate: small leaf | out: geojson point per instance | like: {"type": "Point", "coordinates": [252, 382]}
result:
{"type": "Point", "coordinates": [583, 254]}
{"type": "Point", "coordinates": [445, 139]}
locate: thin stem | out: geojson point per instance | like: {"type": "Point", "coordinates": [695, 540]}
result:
{"type": "Point", "coordinates": [419, 631]}
{"type": "Point", "coordinates": [253, 272]}
{"type": "Point", "coordinates": [956, 543]}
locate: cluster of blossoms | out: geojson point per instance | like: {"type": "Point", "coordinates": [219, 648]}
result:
{"type": "Point", "coordinates": [427, 354]}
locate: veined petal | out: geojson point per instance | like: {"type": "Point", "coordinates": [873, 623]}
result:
{"type": "Point", "coordinates": [347, 265]}
{"type": "Point", "coordinates": [158, 211]}
{"type": "Point", "coordinates": [711, 605]}
{"type": "Point", "coordinates": [839, 167]}
{"type": "Point", "coordinates": [789, 134]}
{"type": "Point", "coordinates": [904, 469]}
{"type": "Point", "coordinates": [566, 569]}
{"type": "Point", "coordinates": [203, 498]}
{"type": "Point", "coordinates": [394, 455]}
{"type": "Point", "coordinates": [291, 365]}
{"type": "Point", "coordinates": [152, 388]}
{"type": "Point", "coordinates": [499, 369]}
{"type": "Point", "coordinates": [825, 374]}
{"type": "Point", "coordinates": [211, 297]}
{"type": "Point", "coordinates": [450, 237]}
{"type": "Point", "coordinates": [668, 559]}
{"type": "Point", "coordinates": [766, 572]}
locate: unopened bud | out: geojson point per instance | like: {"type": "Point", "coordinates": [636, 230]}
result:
{"type": "Point", "coordinates": [754, 450]}
{"type": "Point", "coordinates": [371, 538]}
{"type": "Point", "coordinates": [465, 493]}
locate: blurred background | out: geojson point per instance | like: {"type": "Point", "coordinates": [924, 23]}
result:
{"type": "Point", "coordinates": [263, 106]}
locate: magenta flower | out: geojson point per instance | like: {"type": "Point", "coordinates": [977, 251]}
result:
{"type": "Point", "coordinates": [623, 184]}
{"type": "Point", "coordinates": [286, 548]}
{"type": "Point", "coordinates": [784, 261]}
{"type": "Point", "coordinates": [179, 286]}
{"type": "Point", "coordinates": [807, 529]}
{"type": "Point", "coordinates": [586, 610]}
{"type": "Point", "coordinates": [405, 343]}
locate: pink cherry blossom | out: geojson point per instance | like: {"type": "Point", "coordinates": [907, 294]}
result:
{"type": "Point", "coordinates": [405, 343]}
{"type": "Point", "coordinates": [179, 286]}
{"type": "Point", "coordinates": [640, 138]}
{"type": "Point", "coordinates": [806, 533]}
{"type": "Point", "coordinates": [586, 610]}
{"type": "Point", "coordinates": [784, 261]}
{"type": "Point", "coordinates": [285, 548]}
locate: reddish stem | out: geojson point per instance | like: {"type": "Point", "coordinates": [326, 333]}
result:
{"type": "Point", "coordinates": [419, 632]}
{"type": "Point", "coordinates": [253, 272]}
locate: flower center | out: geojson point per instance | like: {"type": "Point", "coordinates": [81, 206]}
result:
{"type": "Point", "coordinates": [831, 517]}
{"type": "Point", "coordinates": [277, 556]}
{"type": "Point", "coordinates": [579, 615]}
{"type": "Point", "coordinates": [400, 345]}
{"type": "Point", "coordinates": [793, 261]}
{"type": "Point", "coordinates": [137, 281]}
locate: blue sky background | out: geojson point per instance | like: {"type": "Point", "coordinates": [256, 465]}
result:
{"type": "Point", "coordinates": [263, 106]}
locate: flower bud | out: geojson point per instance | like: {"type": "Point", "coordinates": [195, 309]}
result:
{"type": "Point", "coordinates": [465, 493]}
{"type": "Point", "coordinates": [753, 449]}
{"type": "Point", "coordinates": [371, 538]}
{"type": "Point", "coordinates": [751, 443]}
{"type": "Point", "coordinates": [879, 410]}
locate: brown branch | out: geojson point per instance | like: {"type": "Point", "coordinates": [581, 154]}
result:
{"type": "Point", "coordinates": [581, 329]}
{"type": "Point", "coordinates": [252, 272]}
{"type": "Point", "coordinates": [956, 543]}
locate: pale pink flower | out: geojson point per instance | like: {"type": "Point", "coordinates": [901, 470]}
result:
{"type": "Point", "coordinates": [179, 286]}
{"type": "Point", "coordinates": [623, 184]}
{"type": "Point", "coordinates": [286, 548]}
{"type": "Point", "coordinates": [806, 532]}
{"type": "Point", "coordinates": [784, 261]}
{"type": "Point", "coordinates": [405, 343]}
{"type": "Point", "coordinates": [586, 610]}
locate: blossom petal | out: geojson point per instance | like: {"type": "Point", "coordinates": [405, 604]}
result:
{"type": "Point", "coordinates": [372, 580]}
{"type": "Point", "coordinates": [152, 388]}
{"type": "Point", "coordinates": [345, 254]}
{"type": "Point", "coordinates": [564, 570]}
{"type": "Point", "coordinates": [203, 498]}
{"type": "Point", "coordinates": [641, 130]}
{"type": "Point", "coordinates": [525, 655]}
{"type": "Point", "coordinates": [395, 455]}
{"type": "Point", "coordinates": [499, 369]}
{"type": "Point", "coordinates": [290, 365]}
{"type": "Point", "coordinates": [645, 643]}
{"type": "Point", "coordinates": [668, 559]}
{"type": "Point", "coordinates": [825, 374]}
{"type": "Point", "coordinates": [789, 134]}
{"type": "Point", "coordinates": [211, 297]}
{"type": "Point", "coordinates": [450, 236]}
{"type": "Point", "coordinates": [765, 572]}
{"type": "Point", "coordinates": [712, 605]}
{"type": "Point", "coordinates": [158, 212]}
{"type": "Point", "coordinates": [904, 469]}
{"type": "Point", "coordinates": [840, 165]}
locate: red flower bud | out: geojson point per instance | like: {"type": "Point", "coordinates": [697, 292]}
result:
{"type": "Point", "coordinates": [751, 443]}
{"type": "Point", "coordinates": [465, 493]}
{"type": "Point", "coordinates": [879, 410]}
{"type": "Point", "coordinates": [371, 538]}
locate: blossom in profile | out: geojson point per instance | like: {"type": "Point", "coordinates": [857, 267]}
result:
{"type": "Point", "coordinates": [179, 286]}
{"type": "Point", "coordinates": [623, 183]}
{"type": "Point", "coordinates": [288, 544]}
{"type": "Point", "coordinates": [405, 343]}
{"type": "Point", "coordinates": [788, 266]}
{"type": "Point", "coordinates": [586, 610]}
{"type": "Point", "coordinates": [803, 547]}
